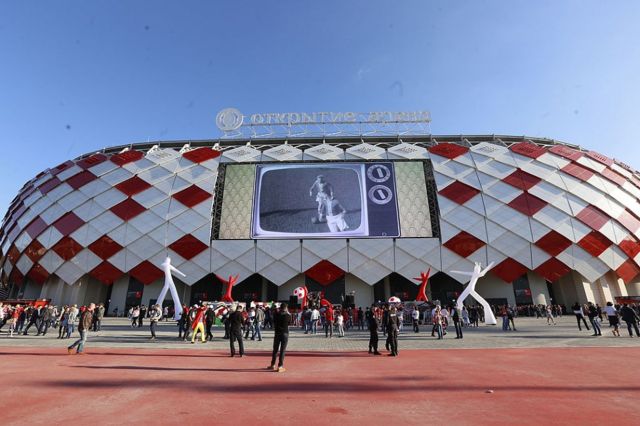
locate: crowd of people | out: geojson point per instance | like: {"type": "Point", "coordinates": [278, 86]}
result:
{"type": "Point", "coordinates": [242, 323]}
{"type": "Point", "coordinates": [20, 319]}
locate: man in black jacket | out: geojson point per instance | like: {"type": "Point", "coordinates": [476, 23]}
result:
{"type": "Point", "coordinates": [235, 331]}
{"type": "Point", "coordinates": [34, 319]}
{"type": "Point", "coordinates": [373, 325]}
{"type": "Point", "coordinates": [393, 325]}
{"type": "Point", "coordinates": [631, 318]}
{"type": "Point", "coordinates": [593, 318]}
{"type": "Point", "coordinates": [210, 317]}
{"type": "Point", "coordinates": [281, 321]}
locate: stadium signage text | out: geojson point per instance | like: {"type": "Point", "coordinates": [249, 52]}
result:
{"type": "Point", "coordinates": [231, 119]}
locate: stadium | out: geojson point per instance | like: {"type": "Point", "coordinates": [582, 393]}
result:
{"type": "Point", "coordinates": [357, 217]}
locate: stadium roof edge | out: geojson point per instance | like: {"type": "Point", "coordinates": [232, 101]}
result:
{"type": "Point", "coordinates": [463, 139]}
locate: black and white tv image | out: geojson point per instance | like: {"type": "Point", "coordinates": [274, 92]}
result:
{"type": "Point", "coordinates": [325, 200]}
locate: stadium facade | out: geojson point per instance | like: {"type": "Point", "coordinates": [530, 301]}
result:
{"type": "Point", "coordinates": [561, 224]}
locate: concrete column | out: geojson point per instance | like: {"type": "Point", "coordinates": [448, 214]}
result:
{"type": "Point", "coordinates": [566, 290]}
{"type": "Point", "coordinates": [31, 290]}
{"type": "Point", "coordinates": [363, 291]}
{"type": "Point", "coordinates": [634, 288]}
{"type": "Point", "coordinates": [538, 287]}
{"type": "Point", "coordinates": [152, 291]}
{"type": "Point", "coordinates": [387, 288]}
{"type": "Point", "coordinates": [622, 287]}
{"type": "Point", "coordinates": [57, 295]}
{"type": "Point", "coordinates": [492, 287]}
{"type": "Point", "coordinates": [606, 283]}
{"type": "Point", "coordinates": [264, 289]}
{"type": "Point", "coordinates": [119, 294]}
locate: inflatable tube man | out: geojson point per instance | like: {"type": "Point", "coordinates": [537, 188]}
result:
{"type": "Point", "coordinates": [489, 318]}
{"type": "Point", "coordinates": [230, 283]}
{"type": "Point", "coordinates": [422, 291]}
{"type": "Point", "coordinates": [169, 285]}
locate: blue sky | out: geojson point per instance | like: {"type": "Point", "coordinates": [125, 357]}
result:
{"type": "Point", "coordinates": [77, 76]}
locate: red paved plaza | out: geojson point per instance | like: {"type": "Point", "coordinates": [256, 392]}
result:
{"type": "Point", "coordinates": [118, 386]}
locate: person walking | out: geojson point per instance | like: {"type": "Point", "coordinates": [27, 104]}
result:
{"type": "Point", "coordinates": [457, 321]}
{"type": "Point", "coordinates": [209, 320]}
{"type": "Point", "coordinates": [579, 313]}
{"type": "Point", "coordinates": [315, 318]}
{"type": "Point", "coordinates": [257, 327]}
{"type": "Point", "coordinates": [631, 318]}
{"type": "Point", "coordinates": [34, 318]}
{"type": "Point", "coordinates": [198, 324]}
{"type": "Point", "coordinates": [393, 326]}
{"type": "Point", "coordinates": [155, 315]}
{"type": "Point", "coordinates": [97, 326]}
{"type": "Point", "coordinates": [614, 319]}
{"type": "Point", "coordinates": [86, 318]}
{"type": "Point", "coordinates": [328, 322]}
{"type": "Point", "coordinates": [594, 319]}
{"type": "Point", "coordinates": [45, 320]}
{"type": "Point", "coordinates": [235, 331]}
{"type": "Point", "coordinates": [281, 321]}
{"type": "Point", "coordinates": [549, 314]}
{"type": "Point", "coordinates": [373, 324]}
{"type": "Point", "coordinates": [415, 317]}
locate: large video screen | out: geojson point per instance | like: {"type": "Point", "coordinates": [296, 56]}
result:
{"type": "Point", "coordinates": [325, 200]}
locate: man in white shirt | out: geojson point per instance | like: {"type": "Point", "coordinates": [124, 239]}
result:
{"type": "Point", "coordinates": [415, 316]}
{"type": "Point", "coordinates": [315, 317]}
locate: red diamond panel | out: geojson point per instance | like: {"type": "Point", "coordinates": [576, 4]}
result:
{"type": "Point", "coordinates": [61, 168]}
{"type": "Point", "coordinates": [35, 251]}
{"type": "Point", "coordinates": [324, 273]}
{"type": "Point", "coordinates": [593, 217]}
{"type": "Point", "coordinates": [13, 254]}
{"type": "Point", "coordinates": [16, 277]}
{"type": "Point", "coordinates": [594, 243]}
{"type": "Point", "coordinates": [464, 244]}
{"type": "Point", "coordinates": [146, 273]}
{"type": "Point", "coordinates": [627, 271]}
{"type": "Point", "coordinates": [553, 243]}
{"type": "Point", "coordinates": [105, 247]}
{"type": "Point", "coordinates": [128, 209]}
{"type": "Point", "coordinates": [527, 204]}
{"type": "Point", "coordinates": [553, 269]}
{"type": "Point", "coordinates": [528, 149]}
{"type": "Point", "coordinates": [106, 273]}
{"type": "Point", "coordinates": [49, 185]}
{"type": "Point", "coordinates": [630, 246]}
{"type": "Point", "coordinates": [91, 161]}
{"type": "Point", "coordinates": [448, 150]}
{"type": "Point", "coordinates": [188, 247]}
{"type": "Point", "coordinates": [36, 227]}
{"type": "Point", "coordinates": [192, 196]}
{"type": "Point", "coordinates": [614, 177]}
{"type": "Point", "coordinates": [200, 155]}
{"type": "Point", "coordinates": [521, 179]}
{"type": "Point", "coordinates": [126, 157]}
{"type": "Point", "coordinates": [67, 248]}
{"type": "Point", "coordinates": [38, 274]}
{"type": "Point", "coordinates": [81, 179]}
{"type": "Point", "coordinates": [578, 171]}
{"type": "Point", "coordinates": [133, 186]}
{"type": "Point", "coordinates": [509, 270]}
{"type": "Point", "coordinates": [459, 192]}
{"type": "Point", "coordinates": [68, 223]}
{"type": "Point", "coordinates": [629, 221]}
{"type": "Point", "coordinates": [566, 152]}
{"type": "Point", "coordinates": [600, 158]}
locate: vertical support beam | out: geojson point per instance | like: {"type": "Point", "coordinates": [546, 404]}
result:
{"type": "Point", "coordinates": [387, 288]}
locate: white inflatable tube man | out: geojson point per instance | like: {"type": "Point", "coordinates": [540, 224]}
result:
{"type": "Point", "coordinates": [489, 318]}
{"type": "Point", "coordinates": [169, 285]}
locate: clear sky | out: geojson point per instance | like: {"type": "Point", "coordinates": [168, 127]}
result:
{"type": "Point", "coordinates": [77, 76]}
